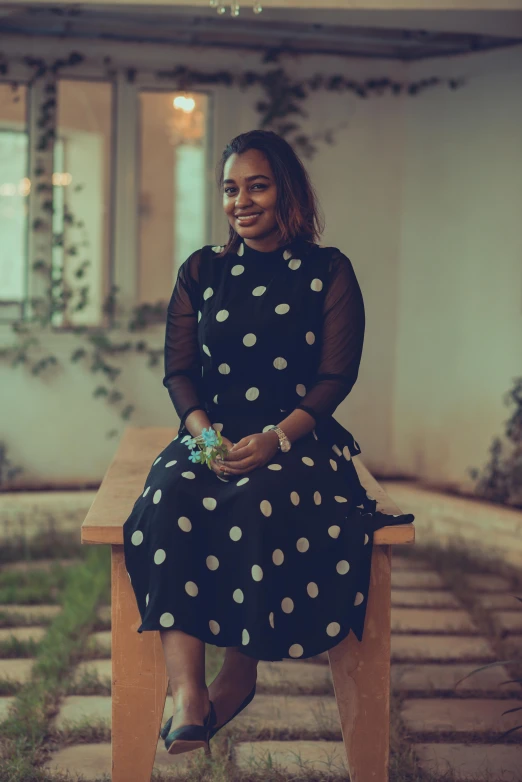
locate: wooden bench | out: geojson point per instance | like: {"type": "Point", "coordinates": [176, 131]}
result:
{"type": "Point", "coordinates": [360, 671]}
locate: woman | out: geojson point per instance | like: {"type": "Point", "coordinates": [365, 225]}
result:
{"type": "Point", "coordinates": [268, 553]}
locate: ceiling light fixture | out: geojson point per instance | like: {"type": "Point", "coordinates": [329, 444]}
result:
{"type": "Point", "coordinates": [234, 7]}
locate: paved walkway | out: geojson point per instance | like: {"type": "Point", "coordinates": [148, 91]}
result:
{"type": "Point", "coordinates": [434, 643]}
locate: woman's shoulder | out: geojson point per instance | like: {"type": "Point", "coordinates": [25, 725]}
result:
{"type": "Point", "coordinates": [329, 254]}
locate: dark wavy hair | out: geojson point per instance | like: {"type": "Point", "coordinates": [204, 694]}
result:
{"type": "Point", "coordinates": [297, 208]}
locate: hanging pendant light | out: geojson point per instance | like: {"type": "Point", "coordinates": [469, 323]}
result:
{"type": "Point", "coordinates": [234, 7]}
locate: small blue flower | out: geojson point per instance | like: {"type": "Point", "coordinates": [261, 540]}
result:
{"type": "Point", "coordinates": [194, 457]}
{"type": "Point", "coordinates": [209, 436]}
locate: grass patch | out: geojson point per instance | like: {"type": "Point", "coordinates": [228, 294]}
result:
{"type": "Point", "coordinates": [25, 731]}
{"type": "Point", "coordinates": [33, 587]}
{"type": "Point", "coordinates": [12, 648]}
{"type": "Point", "coordinates": [48, 544]}
{"type": "Point", "coordinates": [14, 619]}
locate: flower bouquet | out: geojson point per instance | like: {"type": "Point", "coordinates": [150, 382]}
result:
{"type": "Point", "coordinates": [208, 446]}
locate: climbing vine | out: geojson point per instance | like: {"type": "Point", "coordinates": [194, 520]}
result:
{"type": "Point", "coordinates": [281, 108]}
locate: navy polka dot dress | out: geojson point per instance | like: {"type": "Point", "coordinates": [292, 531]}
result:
{"type": "Point", "coordinates": [276, 561]}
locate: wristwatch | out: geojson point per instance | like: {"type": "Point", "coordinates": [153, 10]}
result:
{"type": "Point", "coordinates": [284, 442]}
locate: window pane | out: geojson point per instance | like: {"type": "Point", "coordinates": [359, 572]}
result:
{"type": "Point", "coordinates": [14, 189]}
{"type": "Point", "coordinates": [173, 186]}
{"type": "Point", "coordinates": [81, 179]}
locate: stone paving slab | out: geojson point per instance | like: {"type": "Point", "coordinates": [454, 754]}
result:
{"type": "Point", "coordinates": [501, 762]}
{"type": "Point", "coordinates": [432, 620]}
{"type": "Point", "coordinates": [92, 761]}
{"type": "Point", "coordinates": [104, 613]}
{"type": "Point", "coordinates": [511, 621]}
{"type": "Point", "coordinates": [410, 579]}
{"type": "Point", "coordinates": [22, 633]}
{"type": "Point", "coordinates": [440, 647]}
{"type": "Point", "coordinates": [469, 715]}
{"type": "Point", "coordinates": [443, 678]}
{"type": "Point", "coordinates": [16, 670]}
{"type": "Point", "coordinates": [5, 704]}
{"type": "Point", "coordinates": [292, 756]}
{"type": "Point", "coordinates": [39, 564]}
{"type": "Point", "coordinates": [487, 582]}
{"type": "Point", "coordinates": [428, 598]}
{"type": "Point", "coordinates": [33, 612]}
{"type": "Point", "coordinates": [281, 677]}
{"type": "Point", "coordinates": [29, 513]}
{"type": "Point", "coordinates": [265, 712]}
{"type": "Point", "coordinates": [102, 639]}
{"type": "Point", "coordinates": [101, 668]}
{"type": "Point", "coordinates": [500, 600]}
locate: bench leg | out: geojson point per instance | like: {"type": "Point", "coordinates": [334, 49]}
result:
{"type": "Point", "coordinates": [139, 683]}
{"type": "Point", "coordinates": [361, 679]}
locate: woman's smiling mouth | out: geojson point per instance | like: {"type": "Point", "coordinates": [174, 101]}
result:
{"type": "Point", "coordinates": [249, 219]}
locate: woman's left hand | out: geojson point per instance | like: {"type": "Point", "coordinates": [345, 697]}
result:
{"type": "Point", "coordinates": [251, 452]}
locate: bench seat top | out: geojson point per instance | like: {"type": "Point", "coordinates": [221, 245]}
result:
{"type": "Point", "coordinates": [125, 476]}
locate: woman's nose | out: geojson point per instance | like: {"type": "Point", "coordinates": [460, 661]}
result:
{"type": "Point", "coordinates": [243, 198]}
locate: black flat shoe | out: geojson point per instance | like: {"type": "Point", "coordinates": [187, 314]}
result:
{"type": "Point", "coordinates": [243, 705]}
{"type": "Point", "coordinates": [189, 737]}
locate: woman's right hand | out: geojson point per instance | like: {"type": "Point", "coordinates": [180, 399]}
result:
{"type": "Point", "coordinates": [215, 465]}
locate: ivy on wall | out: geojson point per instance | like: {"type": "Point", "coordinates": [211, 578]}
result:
{"type": "Point", "coordinates": [281, 108]}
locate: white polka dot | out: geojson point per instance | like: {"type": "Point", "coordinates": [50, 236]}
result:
{"type": "Point", "coordinates": [317, 497]}
{"type": "Point", "coordinates": [346, 453]}
{"type": "Point", "coordinates": [280, 362]}
{"type": "Point", "coordinates": [222, 315]}
{"type": "Point", "coordinates": [307, 460]}
{"type": "Point", "coordinates": [207, 293]}
{"type": "Point", "coordinates": [287, 255]}
{"type": "Point", "coordinates": [191, 588]}
{"type": "Point", "coordinates": [217, 248]}
{"type": "Point", "coordinates": [137, 537]}
{"type": "Point", "coordinates": [212, 562]}
{"type": "Point", "coordinates": [340, 498]}
{"type": "Point", "coordinates": [157, 460]}
{"type": "Point", "coordinates": [282, 309]}
{"type": "Point", "coordinates": [300, 389]}
{"type": "Point", "coordinates": [359, 597]}
{"type": "Point", "coordinates": [218, 427]}
{"type": "Point", "coordinates": [287, 604]}
{"type": "Point", "coordinates": [333, 628]}
{"type": "Point", "coordinates": [206, 349]}
{"type": "Point", "coordinates": [249, 340]}
{"type": "Point", "coordinates": [188, 474]}
{"type": "Point", "coordinates": [245, 637]}
{"type": "Point", "coordinates": [316, 284]}
{"type": "Point", "coordinates": [238, 595]}
{"type": "Point", "coordinates": [294, 264]}
{"type": "Point", "coordinates": [257, 573]}
{"type": "Point", "coordinates": [259, 290]}
{"type": "Point", "coordinates": [369, 496]}
{"type": "Point", "coordinates": [312, 589]}
{"type": "Point", "coordinates": [271, 619]}
{"type": "Point", "coordinates": [147, 600]}
{"type": "Point", "coordinates": [266, 508]}
{"type": "Point", "coordinates": [209, 503]}
{"type": "Point", "coordinates": [274, 467]}
{"type": "Point", "coordinates": [166, 620]}
{"type": "Point", "coordinates": [146, 491]}
{"type": "Point", "coordinates": [172, 463]}
{"type": "Point", "coordinates": [241, 249]}
{"type": "Point", "coordinates": [199, 315]}
{"type": "Point", "coordinates": [333, 464]}
{"type": "Point", "coordinates": [302, 544]}
{"type": "Point", "coordinates": [334, 531]}
{"type": "Point", "coordinates": [366, 539]}
{"type": "Point", "coordinates": [310, 337]}
{"type": "Point", "coordinates": [224, 369]}
{"type": "Point", "coordinates": [294, 497]}
{"type": "Point", "coordinates": [215, 399]}
{"type": "Point", "coordinates": [278, 557]}
{"type": "Point", "coordinates": [214, 626]}
{"type": "Point", "coordinates": [342, 567]}
{"type": "Point", "coordinates": [184, 524]}
{"type": "Point", "coordinates": [237, 270]}
{"type": "Point", "coordinates": [160, 556]}
{"type": "Point", "coordinates": [252, 393]}
{"type": "Point", "coordinates": [157, 496]}
{"type": "Point", "coordinates": [242, 481]}
{"type": "Point", "coordinates": [336, 449]}
{"type": "Point", "coordinates": [235, 533]}
{"type": "Point", "coordinates": [187, 437]}
{"type": "Point", "coordinates": [296, 650]}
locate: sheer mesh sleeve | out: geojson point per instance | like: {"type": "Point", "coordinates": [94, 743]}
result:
{"type": "Point", "coordinates": [182, 362]}
{"type": "Point", "coordinates": [342, 340]}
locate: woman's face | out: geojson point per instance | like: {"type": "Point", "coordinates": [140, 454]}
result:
{"type": "Point", "coordinates": [249, 197]}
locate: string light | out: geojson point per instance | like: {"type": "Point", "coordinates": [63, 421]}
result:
{"type": "Point", "coordinates": [257, 8]}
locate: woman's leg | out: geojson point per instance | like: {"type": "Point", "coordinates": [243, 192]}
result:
{"type": "Point", "coordinates": [185, 661]}
{"type": "Point", "coordinates": [236, 678]}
